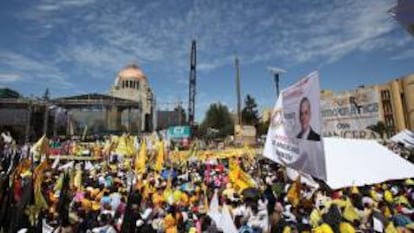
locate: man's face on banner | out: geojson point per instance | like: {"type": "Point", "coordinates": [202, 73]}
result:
{"type": "Point", "coordinates": [304, 114]}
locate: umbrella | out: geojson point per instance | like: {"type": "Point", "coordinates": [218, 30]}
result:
{"type": "Point", "coordinates": [187, 187]}
{"type": "Point", "coordinates": [251, 192]}
{"type": "Point", "coordinates": [166, 173]}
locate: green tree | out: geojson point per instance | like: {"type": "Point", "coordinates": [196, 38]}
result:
{"type": "Point", "coordinates": [250, 114]}
{"type": "Point", "coordinates": [217, 122]}
{"type": "Point", "coordinates": [262, 128]}
{"type": "Point", "coordinates": [381, 128]}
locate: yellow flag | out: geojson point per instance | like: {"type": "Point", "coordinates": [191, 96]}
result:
{"type": "Point", "coordinates": [350, 213]}
{"type": "Point", "coordinates": [107, 147]}
{"type": "Point", "coordinates": [40, 168]}
{"type": "Point", "coordinates": [140, 160]}
{"type": "Point", "coordinates": [391, 228]}
{"type": "Point", "coordinates": [59, 183]}
{"type": "Point", "coordinates": [122, 148]}
{"type": "Point", "coordinates": [40, 147]}
{"type": "Point", "coordinates": [22, 167]}
{"type": "Point", "coordinates": [77, 180]}
{"type": "Point", "coordinates": [160, 157]}
{"type": "Point", "coordinates": [293, 194]}
{"type": "Point", "coordinates": [315, 218]}
{"type": "Point", "coordinates": [147, 190]}
{"type": "Point", "coordinates": [131, 145]}
{"type": "Point", "coordinates": [239, 179]}
{"type": "Point", "coordinates": [40, 201]}
{"type": "Point", "coordinates": [354, 190]}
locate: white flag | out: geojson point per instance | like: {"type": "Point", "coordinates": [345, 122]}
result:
{"type": "Point", "coordinates": [378, 226]}
{"type": "Point", "coordinates": [305, 178]}
{"type": "Point", "coordinates": [226, 223]}
{"type": "Point", "coordinates": [46, 228]}
{"type": "Point", "coordinates": [66, 166]}
{"type": "Point", "coordinates": [56, 162]}
{"type": "Point", "coordinates": [88, 166]}
{"type": "Point", "coordinates": [213, 209]}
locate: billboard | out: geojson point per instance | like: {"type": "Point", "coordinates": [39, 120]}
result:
{"type": "Point", "coordinates": [293, 137]}
{"type": "Point", "coordinates": [245, 131]}
{"type": "Point", "coordinates": [245, 134]}
{"type": "Point", "coordinates": [178, 132]}
{"type": "Point", "coordinates": [349, 114]}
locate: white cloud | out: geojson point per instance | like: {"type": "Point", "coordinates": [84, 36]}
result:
{"type": "Point", "coordinates": [9, 78]}
{"type": "Point", "coordinates": [31, 70]}
{"type": "Point", "coordinates": [104, 34]}
{"type": "Point", "coordinates": [97, 38]}
{"type": "Point", "coordinates": [48, 6]}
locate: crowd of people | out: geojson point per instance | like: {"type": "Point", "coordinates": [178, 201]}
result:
{"type": "Point", "coordinates": [194, 195]}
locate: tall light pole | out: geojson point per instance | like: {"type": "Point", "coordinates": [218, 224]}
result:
{"type": "Point", "coordinates": [239, 116]}
{"type": "Point", "coordinates": [276, 72]}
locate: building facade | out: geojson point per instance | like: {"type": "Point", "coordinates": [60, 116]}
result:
{"type": "Point", "coordinates": [131, 83]}
{"type": "Point", "coordinates": [350, 114]}
{"type": "Point", "coordinates": [168, 118]}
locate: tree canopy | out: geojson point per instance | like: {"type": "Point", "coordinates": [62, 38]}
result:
{"type": "Point", "coordinates": [250, 114]}
{"type": "Point", "coordinates": [381, 128]}
{"type": "Point", "coordinates": [217, 121]}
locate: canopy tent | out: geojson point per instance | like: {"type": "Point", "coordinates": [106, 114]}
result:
{"type": "Point", "coordinates": [405, 137]}
{"type": "Point", "coordinates": [356, 162]}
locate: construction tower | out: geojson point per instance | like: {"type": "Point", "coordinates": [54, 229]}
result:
{"type": "Point", "coordinates": [192, 86]}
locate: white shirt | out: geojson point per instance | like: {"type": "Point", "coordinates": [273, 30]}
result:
{"type": "Point", "coordinates": [306, 133]}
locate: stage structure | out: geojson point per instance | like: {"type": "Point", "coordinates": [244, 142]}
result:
{"type": "Point", "coordinates": [101, 114]}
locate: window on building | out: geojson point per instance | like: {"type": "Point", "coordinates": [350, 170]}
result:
{"type": "Point", "coordinates": [387, 107]}
{"type": "Point", "coordinates": [385, 94]}
{"type": "Point", "coordinates": [137, 84]}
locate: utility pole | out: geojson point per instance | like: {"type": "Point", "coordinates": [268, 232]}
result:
{"type": "Point", "coordinates": [239, 116]}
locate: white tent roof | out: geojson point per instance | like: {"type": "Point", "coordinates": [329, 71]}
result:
{"type": "Point", "coordinates": [405, 137]}
{"type": "Point", "coordinates": [356, 162]}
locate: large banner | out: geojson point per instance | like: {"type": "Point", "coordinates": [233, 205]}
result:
{"type": "Point", "coordinates": [349, 114]}
{"type": "Point", "coordinates": [293, 138]}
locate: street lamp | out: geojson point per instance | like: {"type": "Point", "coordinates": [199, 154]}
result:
{"type": "Point", "coordinates": [276, 72]}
